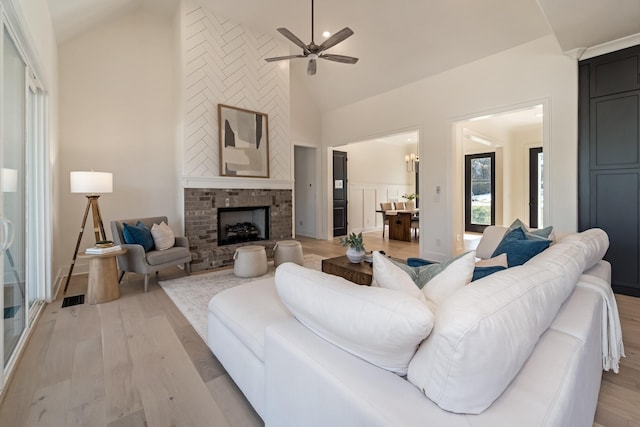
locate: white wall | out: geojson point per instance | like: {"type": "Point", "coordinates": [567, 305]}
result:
{"type": "Point", "coordinates": [117, 111]}
{"type": "Point", "coordinates": [517, 174]}
{"type": "Point", "coordinates": [306, 191]}
{"type": "Point", "coordinates": [534, 71]}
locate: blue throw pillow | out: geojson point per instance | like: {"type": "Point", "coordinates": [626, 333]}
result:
{"type": "Point", "coordinates": [518, 248]}
{"type": "Point", "coordinates": [138, 235]}
{"type": "Point", "coordinates": [480, 272]}
{"type": "Point", "coordinates": [418, 262]}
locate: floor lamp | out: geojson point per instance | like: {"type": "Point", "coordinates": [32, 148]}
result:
{"type": "Point", "coordinates": [90, 183]}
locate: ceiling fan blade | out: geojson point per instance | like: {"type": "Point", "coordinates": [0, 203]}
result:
{"type": "Point", "coordinates": [311, 67]}
{"type": "Point", "coordinates": [336, 38]}
{"type": "Point", "coordinates": [288, 34]}
{"type": "Point", "coordinates": [280, 58]}
{"type": "Point", "coordinates": [339, 58]}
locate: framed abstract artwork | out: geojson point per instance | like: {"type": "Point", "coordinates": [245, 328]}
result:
{"type": "Point", "coordinates": [244, 142]}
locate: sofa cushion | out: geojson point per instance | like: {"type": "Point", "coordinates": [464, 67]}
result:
{"type": "Point", "coordinates": [507, 311]}
{"type": "Point", "coordinates": [518, 248]}
{"type": "Point", "coordinates": [381, 326]}
{"type": "Point", "coordinates": [163, 237]}
{"type": "Point", "coordinates": [138, 234]}
{"type": "Point", "coordinates": [247, 310]}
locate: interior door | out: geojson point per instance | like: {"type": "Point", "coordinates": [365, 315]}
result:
{"type": "Point", "coordinates": [536, 191]}
{"type": "Point", "coordinates": [480, 190]}
{"type": "Point", "coordinates": [339, 193]}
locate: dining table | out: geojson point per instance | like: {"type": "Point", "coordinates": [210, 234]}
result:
{"type": "Point", "coordinates": [400, 223]}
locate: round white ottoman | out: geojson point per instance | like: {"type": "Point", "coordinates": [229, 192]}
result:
{"type": "Point", "coordinates": [287, 251]}
{"type": "Point", "coordinates": [250, 261]}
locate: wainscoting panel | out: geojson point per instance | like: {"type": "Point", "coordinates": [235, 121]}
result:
{"type": "Point", "coordinates": [364, 201]}
{"type": "Point", "coordinates": [223, 63]}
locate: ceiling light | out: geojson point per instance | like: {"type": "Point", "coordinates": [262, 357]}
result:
{"type": "Point", "coordinates": [481, 117]}
{"type": "Point", "coordinates": [480, 140]}
{"type": "Point", "coordinates": [326, 34]}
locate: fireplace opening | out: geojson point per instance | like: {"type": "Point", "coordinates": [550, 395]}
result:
{"type": "Point", "coordinates": [245, 224]}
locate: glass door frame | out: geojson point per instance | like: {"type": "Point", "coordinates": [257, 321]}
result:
{"type": "Point", "coordinates": [468, 224]}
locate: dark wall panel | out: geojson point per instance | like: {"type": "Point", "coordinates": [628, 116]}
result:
{"type": "Point", "coordinates": [616, 210]}
{"type": "Point", "coordinates": [615, 130]}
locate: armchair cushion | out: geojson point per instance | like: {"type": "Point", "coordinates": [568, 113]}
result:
{"type": "Point", "coordinates": [138, 234]}
{"type": "Point", "coordinates": [167, 256]}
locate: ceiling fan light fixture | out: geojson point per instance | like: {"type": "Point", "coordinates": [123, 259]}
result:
{"type": "Point", "coordinates": [312, 51]}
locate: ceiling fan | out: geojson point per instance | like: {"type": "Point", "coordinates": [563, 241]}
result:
{"type": "Point", "coordinates": [313, 51]}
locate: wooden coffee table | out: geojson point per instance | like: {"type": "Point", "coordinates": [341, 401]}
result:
{"type": "Point", "coordinates": [360, 274]}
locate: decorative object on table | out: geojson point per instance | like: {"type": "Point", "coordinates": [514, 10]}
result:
{"type": "Point", "coordinates": [91, 183]}
{"type": "Point", "coordinates": [411, 204]}
{"type": "Point", "coordinates": [98, 250]}
{"type": "Point", "coordinates": [313, 51]}
{"type": "Point", "coordinates": [355, 252]}
{"type": "Point", "coordinates": [244, 142]}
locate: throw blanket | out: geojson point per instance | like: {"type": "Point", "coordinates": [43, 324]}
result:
{"type": "Point", "coordinates": [612, 346]}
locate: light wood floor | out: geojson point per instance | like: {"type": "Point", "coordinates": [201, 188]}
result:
{"type": "Point", "coordinates": [137, 361]}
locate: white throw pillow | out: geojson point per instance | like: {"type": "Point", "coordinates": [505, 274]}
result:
{"type": "Point", "coordinates": [163, 236]}
{"type": "Point", "coordinates": [453, 278]}
{"type": "Point", "coordinates": [381, 326]}
{"type": "Point", "coordinates": [496, 261]}
{"type": "Point", "coordinates": [388, 275]}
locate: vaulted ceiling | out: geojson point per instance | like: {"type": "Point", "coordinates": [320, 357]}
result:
{"type": "Point", "coordinates": [397, 42]}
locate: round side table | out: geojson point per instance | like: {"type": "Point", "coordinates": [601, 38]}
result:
{"type": "Point", "coordinates": [103, 277]}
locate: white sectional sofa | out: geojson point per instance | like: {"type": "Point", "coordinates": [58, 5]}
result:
{"type": "Point", "coordinates": [524, 346]}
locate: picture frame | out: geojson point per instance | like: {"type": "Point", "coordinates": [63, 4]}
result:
{"type": "Point", "coordinates": [243, 141]}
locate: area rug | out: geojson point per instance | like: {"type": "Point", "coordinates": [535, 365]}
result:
{"type": "Point", "coordinates": [191, 294]}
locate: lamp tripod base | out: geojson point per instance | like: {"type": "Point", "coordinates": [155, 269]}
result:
{"type": "Point", "coordinates": [98, 229]}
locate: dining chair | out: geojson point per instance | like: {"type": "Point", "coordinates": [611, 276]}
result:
{"type": "Point", "coordinates": [384, 207]}
{"type": "Point", "coordinates": [400, 206]}
{"type": "Point", "coordinates": [415, 225]}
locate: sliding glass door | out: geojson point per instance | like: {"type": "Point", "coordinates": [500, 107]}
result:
{"type": "Point", "coordinates": [24, 196]}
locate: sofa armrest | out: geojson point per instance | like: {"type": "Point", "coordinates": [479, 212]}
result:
{"type": "Point", "coordinates": [133, 260]}
{"type": "Point", "coordinates": [311, 382]}
{"type": "Point", "coordinates": [182, 242]}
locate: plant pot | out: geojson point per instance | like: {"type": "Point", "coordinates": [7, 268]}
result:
{"type": "Point", "coordinates": [355, 256]}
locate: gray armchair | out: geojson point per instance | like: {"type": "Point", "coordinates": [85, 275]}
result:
{"type": "Point", "coordinates": [136, 260]}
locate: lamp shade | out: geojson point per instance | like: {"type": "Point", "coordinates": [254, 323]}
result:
{"type": "Point", "coordinates": [9, 180]}
{"type": "Point", "coordinates": [91, 182]}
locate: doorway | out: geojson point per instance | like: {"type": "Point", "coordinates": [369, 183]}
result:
{"type": "Point", "coordinates": [340, 220]}
{"type": "Point", "coordinates": [536, 191]}
{"type": "Point", "coordinates": [509, 134]}
{"type": "Point", "coordinates": [305, 193]}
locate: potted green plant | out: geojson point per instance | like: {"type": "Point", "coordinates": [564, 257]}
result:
{"type": "Point", "coordinates": [410, 197]}
{"type": "Point", "coordinates": [355, 250]}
